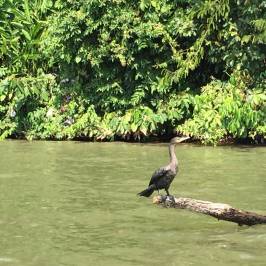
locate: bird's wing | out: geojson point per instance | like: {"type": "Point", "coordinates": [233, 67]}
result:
{"type": "Point", "coordinates": [159, 174]}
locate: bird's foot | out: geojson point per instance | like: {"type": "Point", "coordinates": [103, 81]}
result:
{"type": "Point", "coordinates": [169, 200]}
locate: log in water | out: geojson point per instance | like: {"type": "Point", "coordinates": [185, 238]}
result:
{"type": "Point", "coordinates": [220, 211]}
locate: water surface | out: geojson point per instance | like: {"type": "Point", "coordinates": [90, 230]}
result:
{"type": "Point", "coordinates": [75, 203]}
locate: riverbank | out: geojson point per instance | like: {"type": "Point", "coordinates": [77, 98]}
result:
{"type": "Point", "coordinates": [164, 139]}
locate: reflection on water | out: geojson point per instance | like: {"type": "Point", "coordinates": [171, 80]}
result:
{"type": "Point", "coordinates": [75, 203]}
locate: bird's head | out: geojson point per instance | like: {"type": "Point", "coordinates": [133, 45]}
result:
{"type": "Point", "coordinates": [176, 140]}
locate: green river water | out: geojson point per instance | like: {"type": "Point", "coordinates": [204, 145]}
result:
{"type": "Point", "coordinates": [75, 203]}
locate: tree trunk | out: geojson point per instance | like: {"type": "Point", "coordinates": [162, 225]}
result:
{"type": "Point", "coordinates": [218, 210]}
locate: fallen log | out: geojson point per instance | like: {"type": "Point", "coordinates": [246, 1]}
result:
{"type": "Point", "coordinates": [220, 211]}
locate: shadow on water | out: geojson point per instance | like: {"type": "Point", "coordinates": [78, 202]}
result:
{"type": "Point", "coordinates": [75, 203]}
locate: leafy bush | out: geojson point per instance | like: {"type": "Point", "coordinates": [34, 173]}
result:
{"type": "Point", "coordinates": [227, 109]}
{"type": "Point", "coordinates": [132, 69]}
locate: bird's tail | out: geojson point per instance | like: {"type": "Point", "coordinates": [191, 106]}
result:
{"type": "Point", "coordinates": [147, 192]}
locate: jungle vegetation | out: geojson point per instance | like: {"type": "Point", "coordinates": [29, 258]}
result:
{"type": "Point", "coordinates": [133, 69]}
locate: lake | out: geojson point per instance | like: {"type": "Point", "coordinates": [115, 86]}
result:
{"type": "Point", "coordinates": [75, 203]}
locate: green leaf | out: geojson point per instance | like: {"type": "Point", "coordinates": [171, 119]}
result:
{"type": "Point", "coordinates": [27, 9]}
{"type": "Point", "coordinates": [134, 127]}
{"type": "Point", "coordinates": [77, 59]}
{"type": "Point", "coordinates": [44, 96]}
{"type": "Point", "coordinates": [26, 34]}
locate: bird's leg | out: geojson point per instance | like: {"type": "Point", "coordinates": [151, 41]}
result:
{"type": "Point", "coordinates": [158, 191]}
{"type": "Point", "coordinates": [170, 197]}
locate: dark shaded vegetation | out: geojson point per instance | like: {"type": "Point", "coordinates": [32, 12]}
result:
{"type": "Point", "coordinates": [133, 69]}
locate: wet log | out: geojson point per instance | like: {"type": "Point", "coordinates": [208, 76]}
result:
{"type": "Point", "coordinates": [220, 211]}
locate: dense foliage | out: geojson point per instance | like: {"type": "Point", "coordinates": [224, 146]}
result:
{"type": "Point", "coordinates": [105, 69]}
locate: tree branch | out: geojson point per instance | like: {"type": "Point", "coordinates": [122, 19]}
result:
{"type": "Point", "coordinates": [220, 211]}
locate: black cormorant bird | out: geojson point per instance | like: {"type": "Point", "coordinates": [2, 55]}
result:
{"type": "Point", "coordinates": [163, 177]}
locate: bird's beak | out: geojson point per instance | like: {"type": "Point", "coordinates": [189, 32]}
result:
{"type": "Point", "coordinates": [184, 138]}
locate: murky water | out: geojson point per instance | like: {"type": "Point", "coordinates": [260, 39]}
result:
{"type": "Point", "coordinates": [75, 203]}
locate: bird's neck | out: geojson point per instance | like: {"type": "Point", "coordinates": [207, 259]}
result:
{"type": "Point", "coordinates": [173, 159]}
